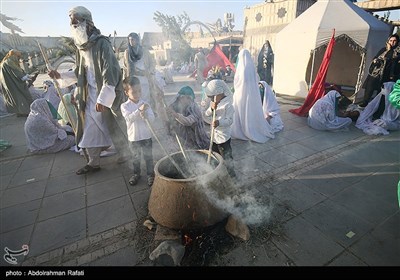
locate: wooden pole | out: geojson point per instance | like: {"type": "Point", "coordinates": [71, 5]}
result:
{"type": "Point", "coordinates": [212, 132]}
{"type": "Point", "coordinates": [49, 68]}
{"type": "Point", "coordinates": [165, 151]}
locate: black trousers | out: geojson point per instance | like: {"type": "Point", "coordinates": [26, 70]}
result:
{"type": "Point", "coordinates": [147, 147]}
{"type": "Point", "coordinates": [225, 150]}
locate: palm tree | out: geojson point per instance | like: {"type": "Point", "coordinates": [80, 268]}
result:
{"type": "Point", "coordinates": [5, 21]}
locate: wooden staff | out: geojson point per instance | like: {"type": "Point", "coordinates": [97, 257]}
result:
{"type": "Point", "coordinates": [212, 132]}
{"type": "Point", "coordinates": [164, 150]}
{"type": "Point", "coordinates": [181, 147]}
{"type": "Point", "coordinates": [49, 68]}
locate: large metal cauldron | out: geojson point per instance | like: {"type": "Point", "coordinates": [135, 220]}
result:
{"type": "Point", "coordinates": [179, 203]}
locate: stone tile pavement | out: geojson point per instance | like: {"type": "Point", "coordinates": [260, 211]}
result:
{"type": "Point", "coordinates": [331, 200]}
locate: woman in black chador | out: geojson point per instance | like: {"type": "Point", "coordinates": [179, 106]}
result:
{"type": "Point", "coordinates": [385, 67]}
{"type": "Point", "coordinates": [265, 63]}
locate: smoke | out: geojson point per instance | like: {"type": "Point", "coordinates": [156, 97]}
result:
{"type": "Point", "coordinates": [214, 181]}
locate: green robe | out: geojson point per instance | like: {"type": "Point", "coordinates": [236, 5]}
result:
{"type": "Point", "coordinates": [17, 97]}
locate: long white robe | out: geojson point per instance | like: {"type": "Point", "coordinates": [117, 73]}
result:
{"type": "Point", "coordinates": [249, 122]}
{"type": "Point", "coordinates": [95, 131]}
{"type": "Point", "coordinates": [271, 108]}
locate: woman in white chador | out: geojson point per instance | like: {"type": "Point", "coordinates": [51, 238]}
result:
{"type": "Point", "coordinates": [326, 113]}
{"type": "Point", "coordinates": [43, 133]}
{"type": "Point", "coordinates": [270, 107]}
{"type": "Point", "coordinates": [380, 115]}
{"type": "Point", "coordinates": [249, 122]}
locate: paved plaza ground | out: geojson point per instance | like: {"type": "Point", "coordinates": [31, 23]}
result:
{"type": "Point", "coordinates": [327, 199]}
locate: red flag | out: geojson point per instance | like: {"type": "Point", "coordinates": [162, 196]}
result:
{"type": "Point", "coordinates": [217, 57]}
{"type": "Point", "coordinates": [318, 88]}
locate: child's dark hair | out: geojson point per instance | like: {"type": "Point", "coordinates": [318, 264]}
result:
{"type": "Point", "coordinates": [130, 81]}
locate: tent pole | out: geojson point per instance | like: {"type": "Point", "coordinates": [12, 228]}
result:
{"type": "Point", "coordinates": [312, 68]}
{"type": "Point", "coordinates": [360, 73]}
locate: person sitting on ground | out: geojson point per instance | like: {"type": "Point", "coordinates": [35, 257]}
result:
{"type": "Point", "coordinates": [67, 110]}
{"type": "Point", "coordinates": [380, 116]}
{"type": "Point", "coordinates": [329, 113]}
{"type": "Point", "coordinates": [50, 93]}
{"type": "Point", "coordinates": [228, 75]}
{"type": "Point", "coordinates": [135, 110]}
{"type": "Point", "coordinates": [43, 133]}
{"type": "Point", "coordinates": [186, 120]}
{"type": "Point", "coordinates": [270, 106]}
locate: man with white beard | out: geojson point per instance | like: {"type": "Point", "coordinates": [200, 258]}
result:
{"type": "Point", "coordinates": [99, 90]}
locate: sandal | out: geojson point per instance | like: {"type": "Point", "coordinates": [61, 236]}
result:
{"type": "Point", "coordinates": [87, 169]}
{"type": "Point", "coordinates": [150, 180]}
{"type": "Point", "coordinates": [134, 179]}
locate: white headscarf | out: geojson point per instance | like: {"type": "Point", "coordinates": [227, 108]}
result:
{"type": "Point", "coordinates": [249, 122]}
{"type": "Point", "coordinates": [215, 87]}
{"type": "Point", "coordinates": [41, 129]}
{"type": "Point", "coordinates": [51, 95]}
{"type": "Point", "coordinates": [271, 107]}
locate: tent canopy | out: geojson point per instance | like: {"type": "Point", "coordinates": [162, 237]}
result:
{"type": "Point", "coordinates": [299, 46]}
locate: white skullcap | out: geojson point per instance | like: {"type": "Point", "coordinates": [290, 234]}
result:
{"type": "Point", "coordinates": [215, 87]}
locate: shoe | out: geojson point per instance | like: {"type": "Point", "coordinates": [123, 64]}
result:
{"type": "Point", "coordinates": [87, 169]}
{"type": "Point", "coordinates": [150, 180]}
{"type": "Point", "coordinates": [134, 179]}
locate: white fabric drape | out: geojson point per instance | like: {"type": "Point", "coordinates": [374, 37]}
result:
{"type": "Point", "coordinates": [248, 122]}
{"type": "Point", "coordinates": [322, 115]}
{"type": "Point", "coordinates": [390, 119]}
{"type": "Point", "coordinates": [42, 131]}
{"type": "Point", "coordinates": [271, 108]}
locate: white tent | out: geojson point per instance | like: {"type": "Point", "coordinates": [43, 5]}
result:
{"type": "Point", "coordinates": [301, 45]}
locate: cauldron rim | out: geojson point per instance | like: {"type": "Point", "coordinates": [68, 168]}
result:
{"type": "Point", "coordinates": [216, 156]}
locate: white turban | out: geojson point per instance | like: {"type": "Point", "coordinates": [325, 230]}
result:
{"type": "Point", "coordinates": [215, 87]}
{"type": "Point", "coordinates": [81, 12]}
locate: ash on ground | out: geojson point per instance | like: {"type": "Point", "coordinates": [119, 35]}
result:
{"type": "Point", "coordinates": [204, 246]}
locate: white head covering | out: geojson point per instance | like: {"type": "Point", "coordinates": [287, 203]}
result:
{"type": "Point", "coordinates": [81, 12]}
{"type": "Point", "coordinates": [271, 107]}
{"type": "Point", "coordinates": [249, 122]}
{"type": "Point", "coordinates": [215, 87]}
{"type": "Point", "coordinates": [41, 129]}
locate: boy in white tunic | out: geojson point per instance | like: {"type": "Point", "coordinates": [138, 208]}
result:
{"type": "Point", "coordinates": [221, 96]}
{"type": "Point", "coordinates": [136, 111]}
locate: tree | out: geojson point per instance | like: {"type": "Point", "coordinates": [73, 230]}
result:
{"type": "Point", "coordinates": [67, 47]}
{"type": "Point", "coordinates": [172, 28]}
{"type": "Point", "coordinates": [5, 20]}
